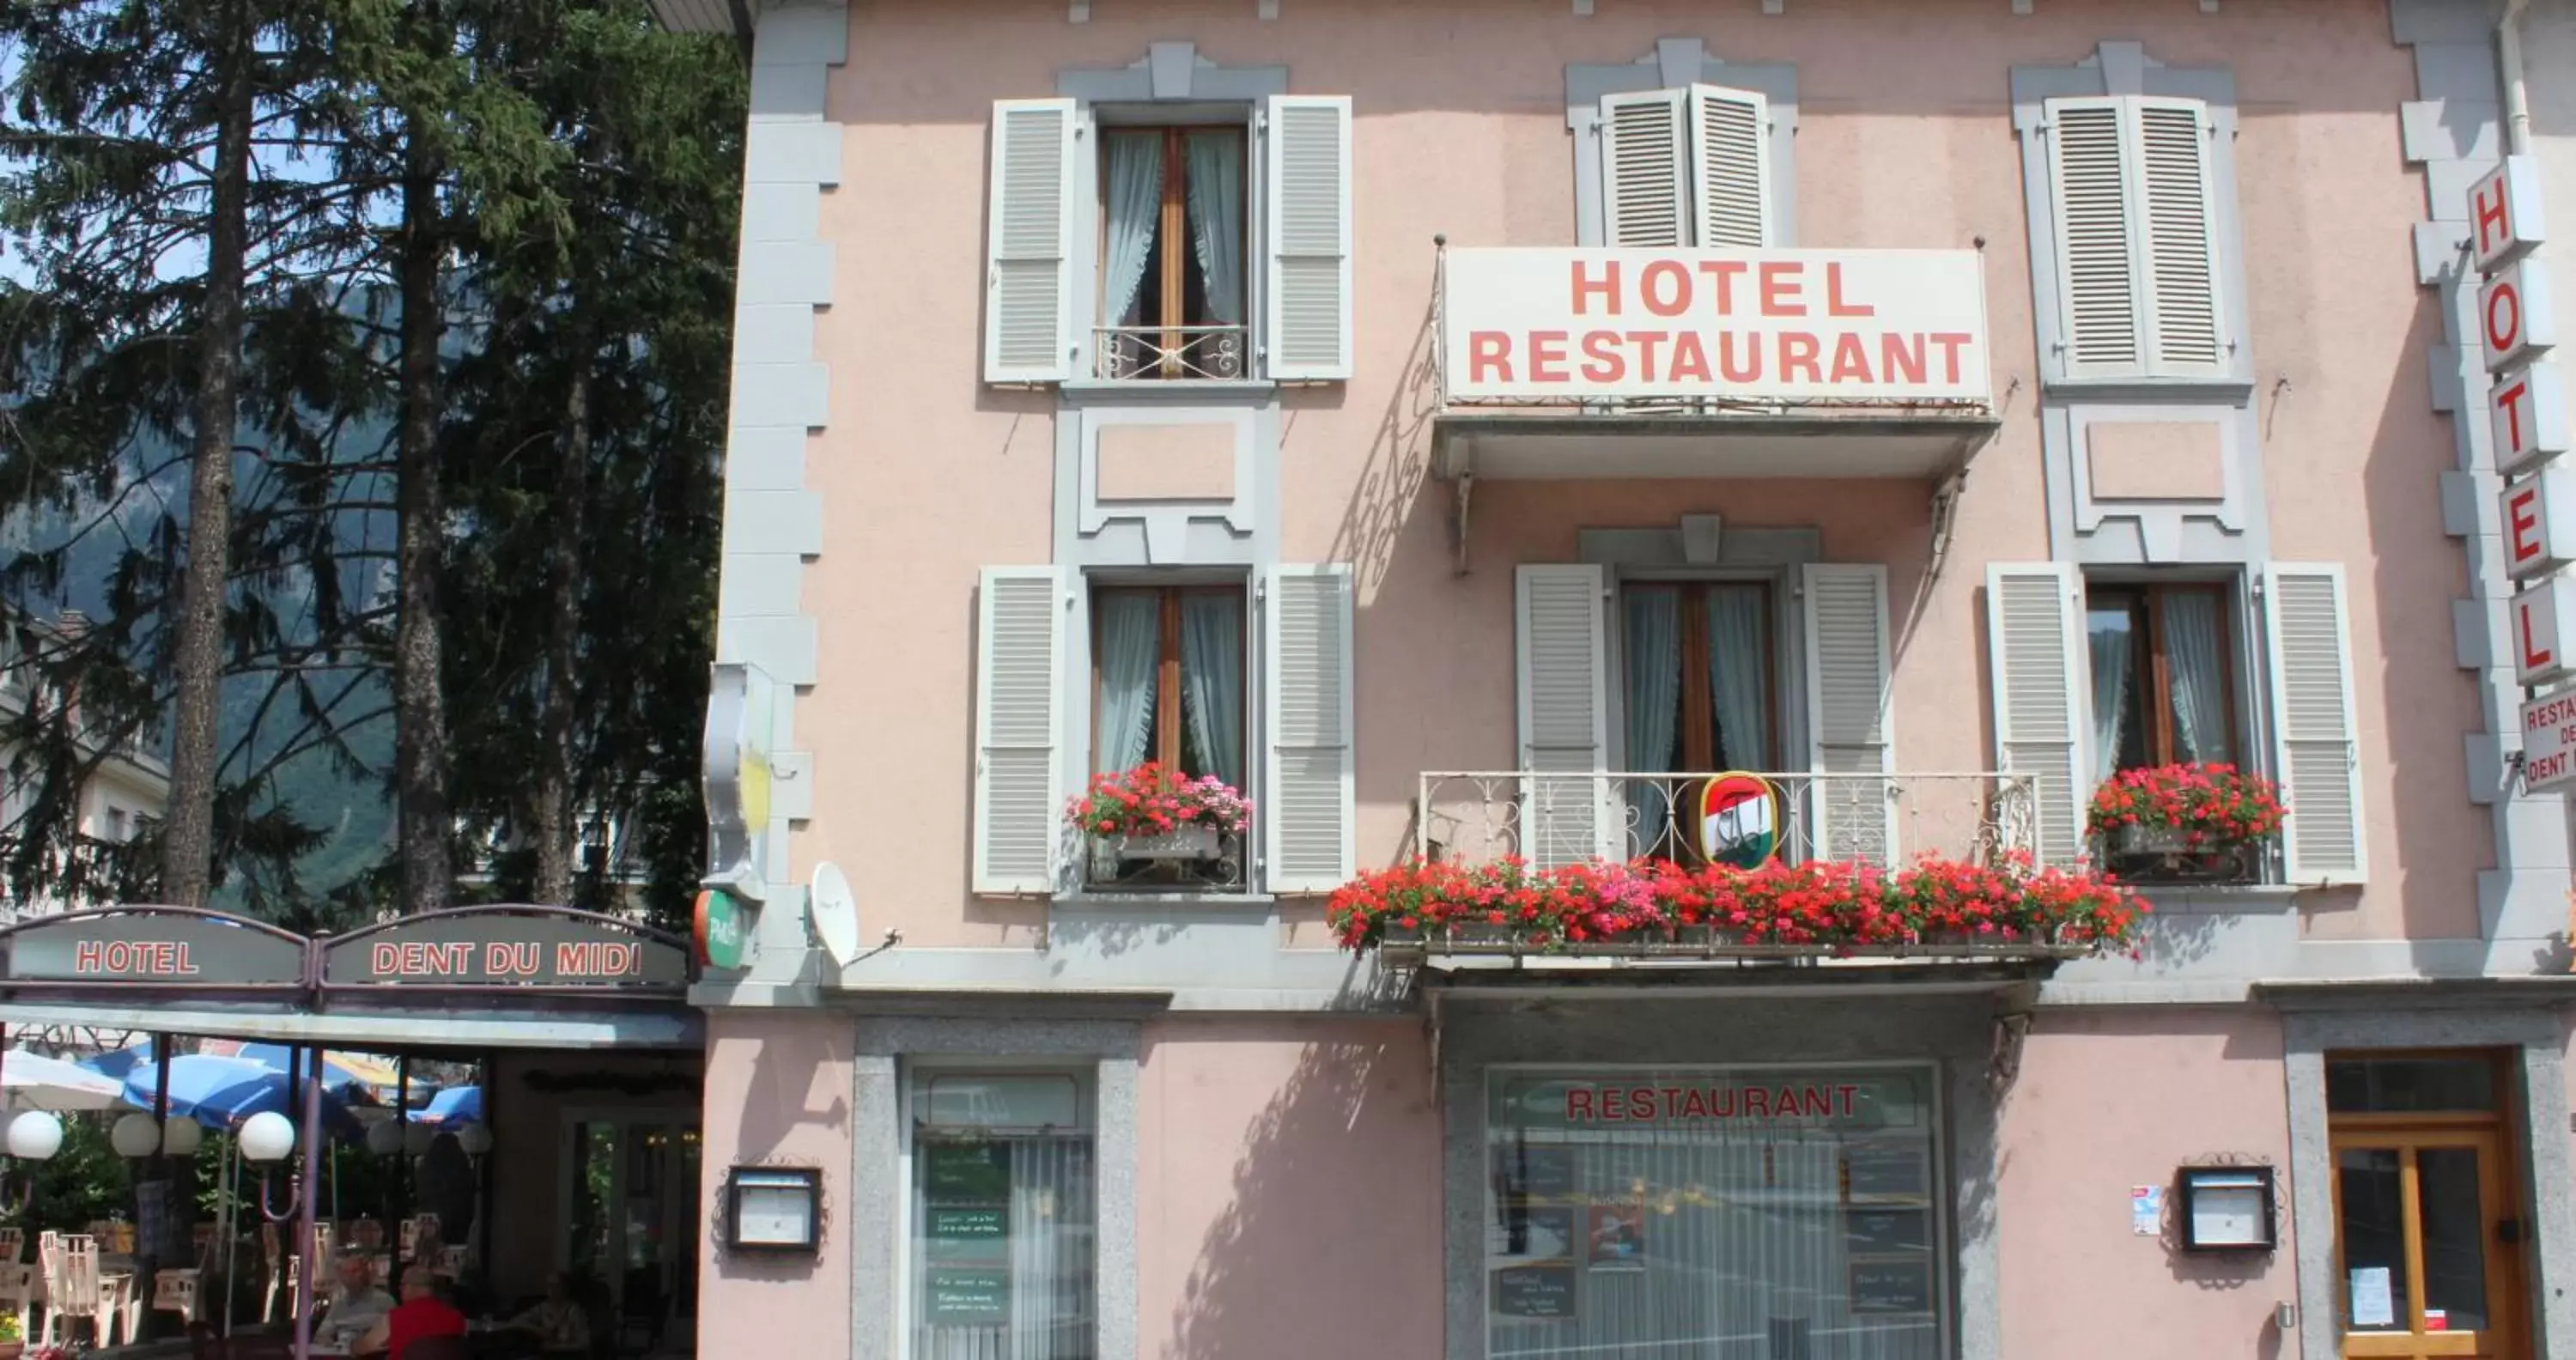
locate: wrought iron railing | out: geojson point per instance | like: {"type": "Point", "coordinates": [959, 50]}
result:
{"type": "Point", "coordinates": [1548, 818]}
{"type": "Point", "coordinates": [1167, 353]}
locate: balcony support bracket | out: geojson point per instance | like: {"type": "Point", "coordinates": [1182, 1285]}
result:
{"type": "Point", "coordinates": [1462, 493]}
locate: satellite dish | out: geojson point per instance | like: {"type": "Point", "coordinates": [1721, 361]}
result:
{"type": "Point", "coordinates": [835, 913]}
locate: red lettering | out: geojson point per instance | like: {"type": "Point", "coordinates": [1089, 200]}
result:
{"type": "Point", "coordinates": [1489, 357]}
{"type": "Point", "coordinates": [1950, 342]}
{"type": "Point", "coordinates": [1694, 1104]}
{"type": "Point", "coordinates": [2522, 519]}
{"type": "Point", "coordinates": [1757, 1102]}
{"type": "Point", "coordinates": [1607, 287]}
{"type": "Point", "coordinates": [1642, 1100]}
{"type": "Point", "coordinates": [1603, 361]}
{"type": "Point", "coordinates": [1851, 362]}
{"type": "Point", "coordinates": [2504, 315]}
{"type": "Point", "coordinates": [1662, 301]}
{"type": "Point", "coordinates": [384, 959]}
{"type": "Point", "coordinates": [2534, 656]}
{"type": "Point", "coordinates": [1834, 304]}
{"type": "Point", "coordinates": [1819, 1104]}
{"type": "Point", "coordinates": [1614, 1105]}
{"type": "Point", "coordinates": [2508, 404]}
{"type": "Point", "coordinates": [1689, 360]}
{"type": "Point", "coordinates": [1645, 341]}
{"type": "Point", "coordinates": [1578, 1104]}
{"type": "Point", "coordinates": [1547, 356]}
{"type": "Point", "coordinates": [1847, 1092]}
{"type": "Point", "coordinates": [1787, 1105]}
{"type": "Point", "coordinates": [1781, 288]}
{"type": "Point", "coordinates": [1798, 354]}
{"type": "Point", "coordinates": [1722, 275]}
{"type": "Point", "coordinates": [1721, 1103]}
{"type": "Point", "coordinates": [1900, 357]}
{"type": "Point", "coordinates": [1744, 370]}
{"type": "Point", "coordinates": [87, 957]}
{"type": "Point", "coordinates": [2487, 207]}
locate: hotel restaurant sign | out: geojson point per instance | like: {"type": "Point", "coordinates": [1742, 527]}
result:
{"type": "Point", "coordinates": [1826, 326]}
{"type": "Point", "coordinates": [477, 948]}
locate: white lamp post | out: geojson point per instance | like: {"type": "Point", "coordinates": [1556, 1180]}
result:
{"type": "Point", "coordinates": [35, 1136]}
{"type": "Point", "coordinates": [266, 1139]}
{"type": "Point", "coordinates": [135, 1135]}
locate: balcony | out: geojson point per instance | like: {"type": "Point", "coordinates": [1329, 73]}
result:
{"type": "Point", "coordinates": [1170, 353]}
{"type": "Point", "coordinates": [1601, 363]}
{"type": "Point", "coordinates": [1549, 819]}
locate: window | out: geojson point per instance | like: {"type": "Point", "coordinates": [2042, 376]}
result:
{"type": "Point", "coordinates": [1698, 670]}
{"type": "Point", "coordinates": [1686, 167]}
{"type": "Point", "coordinates": [1004, 1215]}
{"type": "Point", "coordinates": [1168, 672]}
{"type": "Point", "coordinates": [2136, 230]}
{"type": "Point", "coordinates": [2427, 1255]}
{"type": "Point", "coordinates": [1172, 252]}
{"type": "Point", "coordinates": [2163, 661]}
{"type": "Point", "coordinates": [1714, 1211]}
{"type": "Point", "coordinates": [120, 828]}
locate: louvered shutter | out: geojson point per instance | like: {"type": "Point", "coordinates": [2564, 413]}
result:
{"type": "Point", "coordinates": [1567, 814]}
{"type": "Point", "coordinates": [1644, 143]}
{"type": "Point", "coordinates": [2034, 629]}
{"type": "Point", "coordinates": [1309, 831]}
{"type": "Point", "coordinates": [1309, 289]}
{"type": "Point", "coordinates": [1730, 167]}
{"type": "Point", "coordinates": [2171, 156]}
{"type": "Point", "coordinates": [2097, 270]}
{"type": "Point", "coordinates": [1028, 279]}
{"type": "Point", "coordinates": [2315, 758]}
{"type": "Point", "coordinates": [1018, 666]}
{"type": "Point", "coordinates": [1850, 731]}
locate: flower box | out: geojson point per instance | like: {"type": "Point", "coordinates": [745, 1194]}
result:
{"type": "Point", "coordinates": [2179, 824]}
{"type": "Point", "coordinates": [1188, 842]}
{"type": "Point", "coordinates": [2166, 855]}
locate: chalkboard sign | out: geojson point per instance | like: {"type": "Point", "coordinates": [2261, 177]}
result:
{"type": "Point", "coordinates": [1872, 1170]}
{"type": "Point", "coordinates": [1545, 1171]}
{"type": "Point", "coordinates": [967, 1172]}
{"type": "Point", "coordinates": [977, 1233]}
{"type": "Point", "coordinates": [968, 1296]}
{"type": "Point", "coordinates": [1534, 1292]}
{"type": "Point", "coordinates": [1891, 1286]}
{"type": "Point", "coordinates": [1876, 1231]}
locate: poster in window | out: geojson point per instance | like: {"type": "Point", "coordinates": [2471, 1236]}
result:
{"type": "Point", "coordinates": [1880, 1231]}
{"type": "Point", "coordinates": [1534, 1292]}
{"type": "Point", "coordinates": [1616, 1236]}
{"type": "Point", "coordinates": [966, 1172]}
{"type": "Point", "coordinates": [1891, 1286]}
{"type": "Point", "coordinates": [1536, 1233]}
{"type": "Point", "coordinates": [1542, 1172]}
{"type": "Point", "coordinates": [977, 1233]}
{"type": "Point", "coordinates": [957, 1296]}
{"type": "Point", "coordinates": [1883, 1170]}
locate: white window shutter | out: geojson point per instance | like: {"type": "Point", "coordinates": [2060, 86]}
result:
{"type": "Point", "coordinates": [1019, 663]}
{"type": "Point", "coordinates": [1730, 167]}
{"type": "Point", "coordinates": [1028, 276]}
{"type": "Point", "coordinates": [2035, 639]}
{"type": "Point", "coordinates": [1644, 143]}
{"type": "Point", "coordinates": [1308, 293]}
{"type": "Point", "coordinates": [2308, 633]}
{"type": "Point", "coordinates": [2177, 227]}
{"type": "Point", "coordinates": [1309, 831]}
{"type": "Point", "coordinates": [1563, 653]}
{"type": "Point", "coordinates": [1850, 729]}
{"type": "Point", "coordinates": [2098, 286]}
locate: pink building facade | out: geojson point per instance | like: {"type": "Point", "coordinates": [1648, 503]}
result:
{"type": "Point", "coordinates": [1467, 429]}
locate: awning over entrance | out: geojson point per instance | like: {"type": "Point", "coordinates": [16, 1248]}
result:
{"type": "Point", "coordinates": [1628, 363]}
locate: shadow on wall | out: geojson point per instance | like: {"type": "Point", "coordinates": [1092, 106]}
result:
{"type": "Point", "coordinates": [791, 1088]}
{"type": "Point", "coordinates": [1314, 1254]}
{"type": "Point", "coordinates": [1391, 483]}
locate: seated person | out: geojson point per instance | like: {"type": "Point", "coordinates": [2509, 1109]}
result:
{"type": "Point", "coordinates": [560, 1324]}
{"type": "Point", "coordinates": [420, 1314]}
{"type": "Point", "coordinates": [355, 1305]}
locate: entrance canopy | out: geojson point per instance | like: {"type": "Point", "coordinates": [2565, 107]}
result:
{"type": "Point", "coordinates": [510, 976]}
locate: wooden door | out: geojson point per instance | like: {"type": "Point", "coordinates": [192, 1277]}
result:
{"type": "Point", "coordinates": [2427, 1252]}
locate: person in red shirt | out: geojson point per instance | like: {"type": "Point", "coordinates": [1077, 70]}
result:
{"type": "Point", "coordinates": [420, 1314]}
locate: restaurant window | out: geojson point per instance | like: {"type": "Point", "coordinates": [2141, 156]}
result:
{"type": "Point", "coordinates": [2163, 661]}
{"type": "Point", "coordinates": [1172, 252]}
{"type": "Point", "coordinates": [1708, 1211]}
{"type": "Point", "coordinates": [1004, 1215]}
{"type": "Point", "coordinates": [2428, 1223]}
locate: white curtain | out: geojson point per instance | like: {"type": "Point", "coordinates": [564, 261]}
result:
{"type": "Point", "coordinates": [1739, 678]}
{"type": "Point", "coordinates": [1212, 683]}
{"type": "Point", "coordinates": [1653, 624]}
{"type": "Point", "coordinates": [2199, 675]}
{"type": "Point", "coordinates": [1135, 208]}
{"type": "Point", "coordinates": [2109, 642]}
{"type": "Point", "coordinates": [1051, 1216]}
{"type": "Point", "coordinates": [1129, 624]}
{"type": "Point", "coordinates": [1216, 218]}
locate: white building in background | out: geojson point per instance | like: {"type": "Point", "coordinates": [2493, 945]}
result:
{"type": "Point", "coordinates": [125, 793]}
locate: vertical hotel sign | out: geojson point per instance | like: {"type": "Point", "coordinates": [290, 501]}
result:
{"type": "Point", "coordinates": [742, 706]}
{"type": "Point", "coordinates": [2527, 415]}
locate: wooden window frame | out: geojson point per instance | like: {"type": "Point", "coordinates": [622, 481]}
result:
{"type": "Point", "coordinates": [1696, 732]}
{"type": "Point", "coordinates": [1169, 741]}
{"type": "Point", "coordinates": [1172, 278]}
{"type": "Point", "coordinates": [2151, 667]}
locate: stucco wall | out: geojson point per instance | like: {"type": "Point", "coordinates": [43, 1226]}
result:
{"type": "Point", "coordinates": [1288, 1191]}
{"type": "Point", "coordinates": [779, 1091]}
{"type": "Point", "coordinates": [2109, 1100]}
{"type": "Point", "coordinates": [927, 475]}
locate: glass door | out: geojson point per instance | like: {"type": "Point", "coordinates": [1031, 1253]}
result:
{"type": "Point", "coordinates": [633, 1226]}
{"type": "Point", "coordinates": [2427, 1228]}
